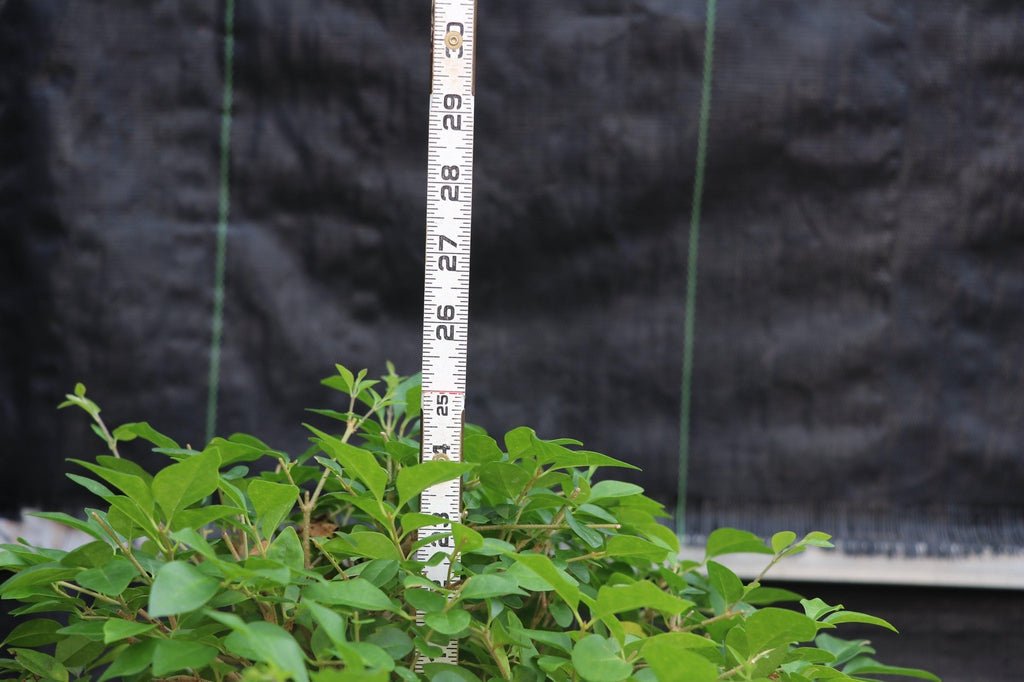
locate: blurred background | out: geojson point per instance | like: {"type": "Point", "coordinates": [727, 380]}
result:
{"type": "Point", "coordinates": [858, 299]}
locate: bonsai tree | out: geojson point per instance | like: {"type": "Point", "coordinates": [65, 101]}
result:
{"type": "Point", "coordinates": [238, 561]}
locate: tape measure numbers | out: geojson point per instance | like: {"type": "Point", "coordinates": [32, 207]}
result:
{"type": "Point", "coordinates": [446, 277]}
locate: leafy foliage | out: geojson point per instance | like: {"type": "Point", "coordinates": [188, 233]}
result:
{"type": "Point", "coordinates": [241, 562]}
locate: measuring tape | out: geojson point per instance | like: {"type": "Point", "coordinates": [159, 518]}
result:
{"type": "Point", "coordinates": [446, 278]}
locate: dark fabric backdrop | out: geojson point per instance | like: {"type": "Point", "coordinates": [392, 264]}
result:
{"type": "Point", "coordinates": [861, 291]}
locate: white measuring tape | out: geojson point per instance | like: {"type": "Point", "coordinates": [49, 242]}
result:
{"type": "Point", "coordinates": [446, 280]}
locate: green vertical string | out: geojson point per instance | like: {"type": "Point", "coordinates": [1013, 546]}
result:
{"type": "Point", "coordinates": [691, 266]}
{"type": "Point", "coordinates": [223, 213]}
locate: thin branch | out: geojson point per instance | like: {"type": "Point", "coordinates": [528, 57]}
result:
{"type": "Point", "coordinates": [125, 549]}
{"type": "Point", "coordinates": [704, 623]}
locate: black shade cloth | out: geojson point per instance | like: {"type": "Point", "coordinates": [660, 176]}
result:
{"type": "Point", "coordinates": [858, 363]}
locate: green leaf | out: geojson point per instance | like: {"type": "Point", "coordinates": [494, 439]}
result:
{"type": "Point", "coordinates": [90, 555]}
{"type": "Point", "coordinates": [116, 629]}
{"type": "Point", "coordinates": [412, 521]}
{"type": "Point", "coordinates": [95, 487]}
{"type": "Point", "coordinates": [44, 665]}
{"type": "Point", "coordinates": [332, 624]}
{"type": "Point", "coordinates": [172, 655]}
{"type": "Point", "coordinates": [415, 479]}
{"type": "Point", "coordinates": [70, 522]}
{"type": "Point", "coordinates": [810, 655]}
{"type": "Point", "coordinates": [559, 457]}
{"type": "Point", "coordinates": [232, 493]}
{"type": "Point", "coordinates": [507, 479]}
{"type": "Point", "coordinates": [111, 579]}
{"type": "Point", "coordinates": [817, 609]}
{"type": "Point", "coordinates": [817, 539]}
{"type": "Point", "coordinates": [366, 544]}
{"type": "Point", "coordinates": [590, 537]}
{"type": "Point", "coordinates": [272, 502]}
{"type": "Point", "coordinates": [519, 441]}
{"type": "Point", "coordinates": [479, 449]}
{"type": "Point", "coordinates": [671, 657]}
{"type": "Point", "coordinates": [403, 452]}
{"type": "Point", "coordinates": [448, 622]}
{"type": "Point", "coordinates": [269, 643]}
{"type": "Point", "coordinates": [597, 659]}
{"type": "Point", "coordinates": [763, 596]}
{"type": "Point", "coordinates": [203, 516]}
{"type": "Point", "coordinates": [131, 431]}
{"type": "Point", "coordinates": [34, 633]}
{"type": "Point", "coordinates": [489, 546]}
{"type": "Point", "coordinates": [125, 466]}
{"type": "Point", "coordinates": [89, 629]}
{"type": "Point", "coordinates": [550, 664]}
{"type": "Point", "coordinates": [732, 541]}
{"type": "Point", "coordinates": [43, 574]}
{"type": "Point", "coordinates": [559, 581]}
{"type": "Point", "coordinates": [189, 481]}
{"type": "Point", "coordinates": [488, 586]}
{"type": "Point", "coordinates": [413, 402]}
{"type": "Point", "coordinates": [179, 587]}
{"type": "Point", "coordinates": [857, 617]}
{"type": "Point", "coordinates": [466, 539]}
{"type": "Point", "coordinates": [356, 593]}
{"type": "Point", "coordinates": [394, 641]}
{"type": "Point", "coordinates": [357, 462]}
{"type": "Point", "coordinates": [132, 512]}
{"type": "Point", "coordinates": [190, 538]}
{"type": "Point", "coordinates": [343, 381]}
{"type": "Point", "coordinates": [844, 650]}
{"type": "Point", "coordinates": [630, 547]}
{"type": "Point", "coordinates": [131, 661]}
{"type": "Point", "coordinates": [77, 652]}
{"type": "Point", "coordinates": [375, 509]}
{"type": "Point", "coordinates": [660, 535]}
{"type": "Point", "coordinates": [425, 600]}
{"type": "Point", "coordinates": [782, 540]}
{"type": "Point", "coordinates": [241, 448]}
{"type": "Point", "coordinates": [866, 666]}
{"type": "Point", "coordinates": [725, 583]}
{"type": "Point", "coordinates": [612, 599]}
{"type": "Point", "coordinates": [380, 572]}
{"type": "Point", "coordinates": [443, 672]}
{"type": "Point", "coordinates": [287, 549]}
{"type": "Point", "coordinates": [606, 490]}
{"type": "Point", "coordinates": [772, 627]}
{"type": "Point", "coordinates": [131, 485]}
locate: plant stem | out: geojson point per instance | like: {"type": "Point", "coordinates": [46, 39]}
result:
{"type": "Point", "coordinates": [333, 562]}
{"type": "Point", "coordinates": [767, 568]}
{"type": "Point", "coordinates": [307, 506]}
{"type": "Point", "coordinates": [94, 595]}
{"type": "Point", "coordinates": [592, 555]}
{"type": "Point", "coordinates": [155, 621]}
{"type": "Point", "coordinates": [111, 441]}
{"type": "Point", "coordinates": [708, 621]}
{"type": "Point", "coordinates": [125, 549]}
{"type": "Point", "coordinates": [500, 659]}
{"type": "Point", "coordinates": [226, 537]}
{"type": "Point", "coordinates": [732, 671]}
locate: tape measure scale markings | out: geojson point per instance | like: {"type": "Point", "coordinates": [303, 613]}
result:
{"type": "Point", "coordinates": [446, 275]}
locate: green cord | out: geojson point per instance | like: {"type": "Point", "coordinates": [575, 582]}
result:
{"type": "Point", "coordinates": [691, 267]}
{"type": "Point", "coordinates": [223, 212]}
